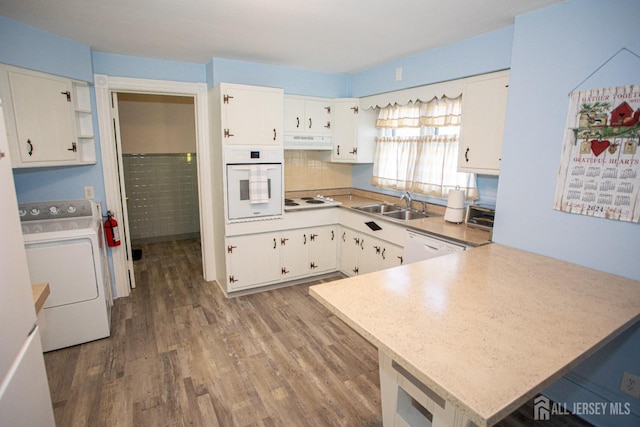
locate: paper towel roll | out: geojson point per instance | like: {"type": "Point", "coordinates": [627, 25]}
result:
{"type": "Point", "coordinates": [455, 199]}
{"type": "Point", "coordinates": [455, 206]}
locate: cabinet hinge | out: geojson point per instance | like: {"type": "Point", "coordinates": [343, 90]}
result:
{"type": "Point", "coordinates": [232, 279]}
{"type": "Point", "coordinates": [68, 94]}
{"type": "Point", "coordinates": [284, 270]}
{"type": "Point", "coordinates": [226, 98]}
{"type": "Point", "coordinates": [230, 249]}
{"type": "Point", "coordinates": [355, 110]}
{"type": "Point", "coordinates": [313, 265]}
{"type": "Point", "coordinates": [228, 134]}
{"type": "Point", "coordinates": [74, 147]}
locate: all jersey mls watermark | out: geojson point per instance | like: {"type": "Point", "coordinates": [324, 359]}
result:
{"type": "Point", "coordinates": [543, 408]}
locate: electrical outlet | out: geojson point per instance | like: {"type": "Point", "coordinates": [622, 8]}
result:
{"type": "Point", "coordinates": [630, 384]}
{"type": "Point", "coordinates": [89, 193]}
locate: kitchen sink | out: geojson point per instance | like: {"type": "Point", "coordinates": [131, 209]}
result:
{"type": "Point", "coordinates": [379, 208]}
{"type": "Point", "coordinates": [391, 211]}
{"type": "Point", "coordinates": [405, 215]}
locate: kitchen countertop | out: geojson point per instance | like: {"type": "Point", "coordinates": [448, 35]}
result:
{"type": "Point", "coordinates": [486, 329]}
{"type": "Point", "coordinates": [434, 224]}
{"type": "Point", "coordinates": [40, 292]}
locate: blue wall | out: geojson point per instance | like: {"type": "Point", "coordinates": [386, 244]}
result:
{"type": "Point", "coordinates": [554, 50]}
{"type": "Point", "coordinates": [28, 47]}
{"type": "Point", "coordinates": [293, 81]}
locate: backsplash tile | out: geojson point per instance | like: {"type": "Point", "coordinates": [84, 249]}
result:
{"type": "Point", "coordinates": [162, 192]}
{"type": "Point", "coordinates": [304, 170]}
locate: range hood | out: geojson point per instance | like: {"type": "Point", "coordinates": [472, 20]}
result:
{"type": "Point", "coordinates": [307, 142]}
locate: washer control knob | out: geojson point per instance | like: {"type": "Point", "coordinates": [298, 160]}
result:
{"type": "Point", "coordinates": [34, 211]}
{"type": "Point", "coordinates": [54, 210]}
{"type": "Point", "coordinates": [71, 209]}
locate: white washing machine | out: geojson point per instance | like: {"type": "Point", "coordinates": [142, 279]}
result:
{"type": "Point", "coordinates": [65, 247]}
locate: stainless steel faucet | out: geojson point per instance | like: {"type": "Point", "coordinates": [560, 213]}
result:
{"type": "Point", "coordinates": [407, 197]}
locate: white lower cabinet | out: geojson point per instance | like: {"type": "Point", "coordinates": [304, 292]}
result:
{"type": "Point", "coordinates": [252, 260]}
{"type": "Point", "coordinates": [323, 249]}
{"type": "Point", "coordinates": [361, 253]}
{"type": "Point", "coordinates": [265, 258]}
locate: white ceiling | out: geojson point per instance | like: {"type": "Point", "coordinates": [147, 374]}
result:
{"type": "Point", "coordinates": [337, 36]}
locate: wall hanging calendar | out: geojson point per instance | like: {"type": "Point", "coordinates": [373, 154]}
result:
{"type": "Point", "coordinates": [600, 165]}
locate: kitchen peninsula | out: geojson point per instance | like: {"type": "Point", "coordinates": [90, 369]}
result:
{"type": "Point", "coordinates": [473, 335]}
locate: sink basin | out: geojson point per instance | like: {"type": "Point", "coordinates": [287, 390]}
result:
{"type": "Point", "coordinates": [405, 215]}
{"type": "Point", "coordinates": [380, 208]}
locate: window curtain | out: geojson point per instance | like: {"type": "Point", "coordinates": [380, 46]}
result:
{"type": "Point", "coordinates": [417, 149]}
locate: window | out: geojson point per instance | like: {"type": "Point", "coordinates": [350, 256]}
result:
{"type": "Point", "coordinates": [417, 148]}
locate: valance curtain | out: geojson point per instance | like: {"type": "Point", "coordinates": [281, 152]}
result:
{"type": "Point", "coordinates": [417, 149]}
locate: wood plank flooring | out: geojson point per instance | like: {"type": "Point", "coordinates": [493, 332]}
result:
{"type": "Point", "coordinates": [181, 354]}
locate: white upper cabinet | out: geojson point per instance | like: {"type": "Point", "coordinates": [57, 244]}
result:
{"type": "Point", "coordinates": [49, 119]}
{"type": "Point", "coordinates": [251, 115]}
{"type": "Point", "coordinates": [305, 115]}
{"type": "Point", "coordinates": [352, 132]}
{"type": "Point", "coordinates": [484, 106]}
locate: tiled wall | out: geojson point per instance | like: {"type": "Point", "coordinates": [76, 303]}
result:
{"type": "Point", "coordinates": [162, 191]}
{"type": "Point", "coordinates": [305, 170]}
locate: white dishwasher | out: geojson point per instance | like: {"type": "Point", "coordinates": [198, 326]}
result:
{"type": "Point", "coordinates": [418, 247]}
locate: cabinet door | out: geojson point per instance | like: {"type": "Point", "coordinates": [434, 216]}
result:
{"type": "Point", "coordinates": [317, 117]}
{"type": "Point", "coordinates": [294, 250]}
{"type": "Point", "coordinates": [252, 260]}
{"type": "Point", "coordinates": [391, 255]}
{"type": "Point", "coordinates": [370, 258]}
{"type": "Point", "coordinates": [323, 249]}
{"type": "Point", "coordinates": [293, 115]}
{"type": "Point", "coordinates": [252, 115]}
{"type": "Point", "coordinates": [484, 106]}
{"type": "Point", "coordinates": [43, 115]}
{"type": "Point", "coordinates": [344, 130]}
{"type": "Point", "coordinates": [349, 250]}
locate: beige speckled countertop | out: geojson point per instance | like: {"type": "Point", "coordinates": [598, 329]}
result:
{"type": "Point", "coordinates": [40, 293]}
{"type": "Point", "coordinates": [434, 224]}
{"type": "Point", "coordinates": [487, 328]}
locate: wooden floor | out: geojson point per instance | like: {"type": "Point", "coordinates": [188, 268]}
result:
{"type": "Point", "coordinates": [181, 354]}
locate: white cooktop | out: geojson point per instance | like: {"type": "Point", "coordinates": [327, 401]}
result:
{"type": "Point", "coordinates": [309, 203]}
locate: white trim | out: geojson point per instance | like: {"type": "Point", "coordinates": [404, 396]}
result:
{"type": "Point", "coordinates": [104, 85]}
{"type": "Point", "coordinates": [450, 89]}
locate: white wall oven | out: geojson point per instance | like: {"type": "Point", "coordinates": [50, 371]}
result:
{"type": "Point", "coordinates": [254, 187]}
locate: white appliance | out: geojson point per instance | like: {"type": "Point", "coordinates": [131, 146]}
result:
{"type": "Point", "coordinates": [254, 183]}
{"type": "Point", "coordinates": [304, 203]}
{"type": "Point", "coordinates": [65, 247]}
{"type": "Point", "coordinates": [307, 142]}
{"type": "Point", "coordinates": [418, 247]}
{"type": "Point", "coordinates": [25, 399]}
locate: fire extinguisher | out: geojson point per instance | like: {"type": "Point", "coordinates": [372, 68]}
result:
{"type": "Point", "coordinates": [111, 230]}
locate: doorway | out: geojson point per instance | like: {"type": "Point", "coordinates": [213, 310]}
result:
{"type": "Point", "coordinates": [106, 87]}
{"type": "Point", "coordinates": [159, 167]}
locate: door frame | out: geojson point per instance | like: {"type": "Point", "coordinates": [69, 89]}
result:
{"type": "Point", "coordinates": [104, 86]}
